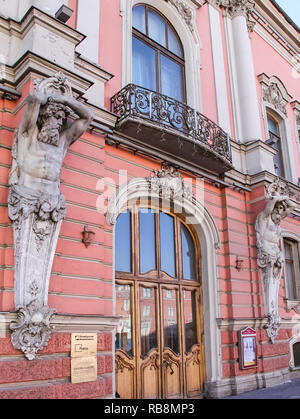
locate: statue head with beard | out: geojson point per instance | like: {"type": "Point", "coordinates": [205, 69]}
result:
{"type": "Point", "coordinates": [52, 118]}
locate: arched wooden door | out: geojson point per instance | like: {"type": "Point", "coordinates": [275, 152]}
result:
{"type": "Point", "coordinates": [159, 339]}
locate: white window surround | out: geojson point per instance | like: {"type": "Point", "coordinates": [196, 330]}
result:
{"type": "Point", "coordinates": [275, 99]}
{"type": "Point", "coordinates": [292, 342]}
{"type": "Point", "coordinates": [288, 235]}
{"type": "Point", "coordinates": [187, 33]}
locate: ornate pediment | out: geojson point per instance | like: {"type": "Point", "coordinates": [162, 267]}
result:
{"type": "Point", "coordinates": [272, 95]}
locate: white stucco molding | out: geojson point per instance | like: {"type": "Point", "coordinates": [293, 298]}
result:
{"type": "Point", "coordinates": [208, 235]}
{"type": "Point", "coordinates": [274, 100]}
{"type": "Point", "coordinates": [182, 15]}
{"type": "Point", "coordinates": [234, 8]}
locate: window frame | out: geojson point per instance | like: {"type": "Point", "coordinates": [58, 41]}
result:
{"type": "Point", "coordinates": [276, 139]}
{"type": "Point", "coordinates": [161, 50]}
{"type": "Point", "coordinates": [295, 241]}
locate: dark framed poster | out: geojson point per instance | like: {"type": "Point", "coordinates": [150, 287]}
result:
{"type": "Point", "coordinates": [247, 348]}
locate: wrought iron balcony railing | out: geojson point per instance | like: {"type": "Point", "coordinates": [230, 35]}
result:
{"type": "Point", "coordinates": [175, 121]}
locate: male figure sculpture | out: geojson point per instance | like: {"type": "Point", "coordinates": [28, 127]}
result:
{"type": "Point", "coordinates": [269, 255]}
{"type": "Point", "coordinates": [35, 204]}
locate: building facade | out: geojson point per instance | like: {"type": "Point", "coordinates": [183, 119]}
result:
{"type": "Point", "coordinates": [179, 229]}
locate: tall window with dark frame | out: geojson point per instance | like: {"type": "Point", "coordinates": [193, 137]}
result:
{"type": "Point", "coordinates": [275, 142]}
{"type": "Point", "coordinates": [157, 54]}
{"type": "Point", "coordinates": [291, 254]}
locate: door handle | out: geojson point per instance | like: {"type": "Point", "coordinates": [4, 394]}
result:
{"type": "Point", "coordinates": [168, 364]}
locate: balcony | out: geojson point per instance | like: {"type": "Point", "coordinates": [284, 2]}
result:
{"type": "Point", "coordinates": [171, 127]}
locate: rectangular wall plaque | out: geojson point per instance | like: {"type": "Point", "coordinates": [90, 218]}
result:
{"type": "Point", "coordinates": [247, 348]}
{"type": "Point", "coordinates": [83, 369]}
{"type": "Point", "coordinates": [83, 344]}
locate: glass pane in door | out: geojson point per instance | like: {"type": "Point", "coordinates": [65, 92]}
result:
{"type": "Point", "coordinates": [147, 240]}
{"type": "Point", "coordinates": [123, 309]}
{"type": "Point", "coordinates": [167, 244]}
{"type": "Point", "coordinates": [170, 320]}
{"type": "Point", "coordinates": [189, 304]}
{"type": "Point", "coordinates": [148, 327]}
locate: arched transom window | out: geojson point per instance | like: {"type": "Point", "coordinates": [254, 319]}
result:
{"type": "Point", "coordinates": [154, 244]}
{"type": "Point", "coordinates": [157, 54]}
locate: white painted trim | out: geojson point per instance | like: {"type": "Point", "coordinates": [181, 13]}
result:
{"type": "Point", "coordinates": [190, 41]}
{"type": "Point", "coordinates": [219, 69]}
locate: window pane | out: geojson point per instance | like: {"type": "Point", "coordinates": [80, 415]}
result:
{"type": "Point", "coordinates": [171, 78]}
{"type": "Point", "coordinates": [156, 28]}
{"type": "Point", "coordinates": [148, 320]}
{"type": "Point", "coordinates": [143, 65]}
{"type": "Point", "coordinates": [123, 242]}
{"type": "Point", "coordinates": [190, 319]}
{"type": "Point", "coordinates": [188, 254]}
{"type": "Point", "coordinates": [138, 18]}
{"type": "Point", "coordinates": [273, 126]}
{"type": "Point", "coordinates": [147, 240]}
{"type": "Point", "coordinates": [173, 43]}
{"type": "Point", "coordinates": [170, 321]}
{"type": "Point", "coordinates": [167, 244]}
{"type": "Point", "coordinates": [290, 279]}
{"type": "Point", "coordinates": [123, 308]}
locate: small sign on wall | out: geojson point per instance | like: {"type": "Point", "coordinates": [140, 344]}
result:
{"type": "Point", "coordinates": [83, 357]}
{"type": "Point", "coordinates": [247, 348]}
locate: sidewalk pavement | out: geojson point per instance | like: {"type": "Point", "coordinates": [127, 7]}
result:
{"type": "Point", "coordinates": [289, 390]}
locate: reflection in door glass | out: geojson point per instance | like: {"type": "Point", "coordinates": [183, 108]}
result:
{"type": "Point", "coordinates": [123, 309]}
{"type": "Point", "coordinates": [148, 320]}
{"type": "Point", "coordinates": [188, 254]}
{"type": "Point", "coordinates": [170, 320]}
{"type": "Point", "coordinates": [189, 302]}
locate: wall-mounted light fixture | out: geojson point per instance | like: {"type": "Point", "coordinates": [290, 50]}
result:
{"type": "Point", "coordinates": [239, 262]}
{"type": "Point", "coordinates": [87, 236]}
{"type": "Point", "coordinates": [64, 13]}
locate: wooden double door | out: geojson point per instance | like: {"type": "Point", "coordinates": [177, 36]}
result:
{"type": "Point", "coordinates": [159, 340]}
